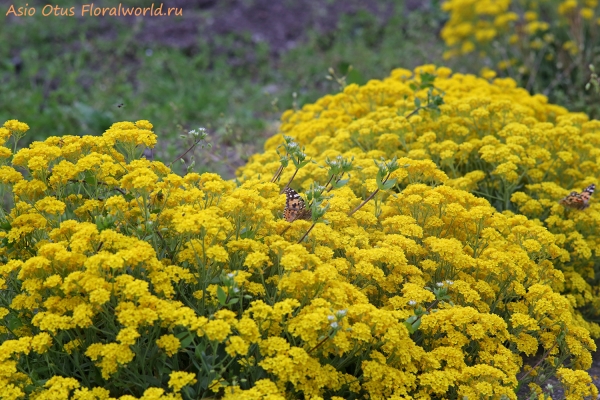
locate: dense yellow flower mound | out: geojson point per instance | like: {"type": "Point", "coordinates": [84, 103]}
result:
{"type": "Point", "coordinates": [122, 279]}
{"type": "Point", "coordinates": [491, 139]}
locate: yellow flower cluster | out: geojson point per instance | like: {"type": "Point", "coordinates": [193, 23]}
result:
{"type": "Point", "coordinates": [475, 22]}
{"type": "Point", "coordinates": [492, 139]}
{"type": "Point", "coordinates": [473, 25]}
{"type": "Point", "coordinates": [507, 30]}
{"type": "Point", "coordinates": [139, 283]}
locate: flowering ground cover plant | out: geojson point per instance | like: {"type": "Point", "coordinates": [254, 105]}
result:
{"type": "Point", "coordinates": [547, 46]}
{"type": "Point", "coordinates": [433, 257]}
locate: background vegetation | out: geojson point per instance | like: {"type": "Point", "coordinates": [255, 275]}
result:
{"type": "Point", "coordinates": [73, 73]}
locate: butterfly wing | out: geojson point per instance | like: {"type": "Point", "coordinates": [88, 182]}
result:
{"type": "Point", "coordinates": [579, 201]}
{"type": "Point", "coordinates": [587, 193]}
{"type": "Point", "coordinates": [570, 200]}
{"type": "Point", "coordinates": [294, 206]}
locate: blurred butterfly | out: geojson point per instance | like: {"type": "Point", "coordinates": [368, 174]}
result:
{"type": "Point", "coordinates": [579, 201]}
{"type": "Point", "coordinates": [294, 206]}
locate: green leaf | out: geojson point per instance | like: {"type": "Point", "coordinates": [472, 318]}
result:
{"type": "Point", "coordinates": [191, 392]}
{"type": "Point", "coordinates": [13, 322]}
{"type": "Point", "coordinates": [221, 295]}
{"type": "Point", "coordinates": [7, 244]}
{"type": "Point", "coordinates": [379, 177]}
{"type": "Point", "coordinates": [186, 339]}
{"type": "Point", "coordinates": [427, 80]}
{"type": "Point", "coordinates": [389, 184]}
{"type": "Point", "coordinates": [90, 178]}
{"type": "Point", "coordinates": [204, 381]}
{"type": "Point", "coordinates": [246, 233]}
{"type": "Point", "coordinates": [303, 163]}
{"type": "Point", "coordinates": [354, 76]}
{"type": "Point", "coordinates": [198, 350]}
{"type": "Point", "coordinates": [163, 369]}
{"type": "Point", "coordinates": [417, 102]}
{"type": "Point", "coordinates": [416, 324]}
{"type": "Point", "coordinates": [340, 183]}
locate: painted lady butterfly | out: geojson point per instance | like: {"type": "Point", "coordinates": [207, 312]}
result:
{"type": "Point", "coordinates": [294, 206]}
{"type": "Point", "coordinates": [579, 201]}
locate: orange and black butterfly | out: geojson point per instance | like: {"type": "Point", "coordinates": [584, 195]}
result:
{"type": "Point", "coordinates": [294, 206]}
{"type": "Point", "coordinates": [579, 201]}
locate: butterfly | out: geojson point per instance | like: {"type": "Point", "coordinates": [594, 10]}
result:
{"type": "Point", "coordinates": [579, 201]}
{"type": "Point", "coordinates": [294, 206]}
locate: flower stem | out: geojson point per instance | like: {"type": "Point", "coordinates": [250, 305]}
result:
{"type": "Point", "coordinates": [187, 151]}
{"type": "Point", "coordinates": [364, 202]}
{"type": "Point", "coordinates": [546, 354]}
{"type": "Point", "coordinates": [318, 345]}
{"type": "Point", "coordinates": [290, 181]}
{"type": "Point", "coordinates": [279, 171]}
{"type": "Point", "coordinates": [307, 232]}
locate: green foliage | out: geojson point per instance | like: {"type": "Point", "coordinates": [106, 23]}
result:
{"type": "Point", "coordinates": [546, 47]}
{"type": "Point", "coordinates": [74, 78]}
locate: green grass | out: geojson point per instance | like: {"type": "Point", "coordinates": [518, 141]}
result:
{"type": "Point", "coordinates": [73, 76]}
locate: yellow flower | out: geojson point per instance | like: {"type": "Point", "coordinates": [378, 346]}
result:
{"type": "Point", "coordinates": [72, 345]}
{"type": "Point", "coordinates": [59, 387]}
{"type": "Point", "coordinates": [9, 175]}
{"type": "Point", "coordinates": [217, 330]}
{"type": "Point", "coordinates": [143, 180]}
{"type": "Point", "coordinates": [262, 388]}
{"type": "Point", "coordinates": [236, 346]}
{"type": "Point", "coordinates": [15, 126]}
{"type": "Point", "coordinates": [128, 335]}
{"type": "Point", "coordinates": [179, 379]}
{"type": "Point", "coordinates": [109, 357]}
{"type": "Point", "coordinates": [41, 342]}
{"type": "Point", "coordinates": [51, 206]}
{"type": "Point", "coordinates": [579, 384]}
{"type": "Point", "coordinates": [169, 343]}
{"type": "Point", "coordinates": [217, 253]}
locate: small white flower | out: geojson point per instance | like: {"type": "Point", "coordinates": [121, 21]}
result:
{"type": "Point", "coordinates": [334, 325]}
{"type": "Point", "coordinates": [449, 282]}
{"type": "Point", "coordinates": [342, 313]}
{"type": "Point", "coordinates": [412, 303]}
{"type": "Point", "coordinates": [236, 290]}
{"type": "Point", "coordinates": [230, 275]}
{"type": "Point", "coordinates": [440, 284]}
{"type": "Point", "coordinates": [331, 317]}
